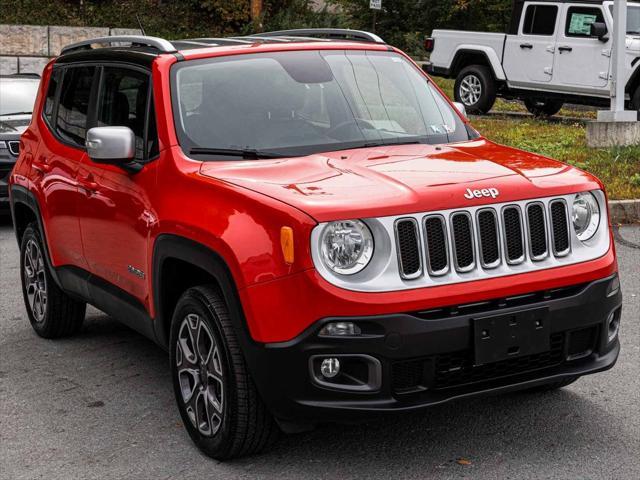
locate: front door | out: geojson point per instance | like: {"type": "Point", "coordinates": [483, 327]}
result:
{"type": "Point", "coordinates": [528, 56]}
{"type": "Point", "coordinates": [582, 61]}
{"type": "Point", "coordinates": [117, 215]}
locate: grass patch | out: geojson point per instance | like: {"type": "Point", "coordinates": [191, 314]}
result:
{"type": "Point", "coordinates": [564, 140]}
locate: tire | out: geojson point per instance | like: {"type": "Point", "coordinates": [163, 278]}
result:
{"type": "Point", "coordinates": [476, 89]}
{"type": "Point", "coordinates": [549, 387]}
{"type": "Point", "coordinates": [237, 422]}
{"type": "Point", "coordinates": [635, 101]}
{"type": "Point", "coordinates": [543, 107]}
{"type": "Point", "coordinates": [52, 313]}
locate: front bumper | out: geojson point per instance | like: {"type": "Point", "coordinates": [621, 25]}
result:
{"type": "Point", "coordinates": [426, 358]}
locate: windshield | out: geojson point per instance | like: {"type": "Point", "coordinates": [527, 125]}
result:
{"type": "Point", "coordinates": [17, 96]}
{"type": "Point", "coordinates": [633, 18]}
{"type": "Point", "coordinates": [304, 102]}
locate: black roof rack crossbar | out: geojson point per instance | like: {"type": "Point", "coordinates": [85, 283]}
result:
{"type": "Point", "coordinates": [327, 33]}
{"type": "Point", "coordinates": [160, 44]}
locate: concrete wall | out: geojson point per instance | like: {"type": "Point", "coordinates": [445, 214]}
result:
{"type": "Point", "coordinates": [28, 48]}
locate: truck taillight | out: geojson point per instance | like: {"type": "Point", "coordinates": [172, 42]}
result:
{"type": "Point", "coordinates": [429, 44]}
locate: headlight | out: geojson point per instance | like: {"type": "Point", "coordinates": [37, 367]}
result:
{"type": "Point", "coordinates": [346, 246]}
{"type": "Point", "coordinates": [585, 215]}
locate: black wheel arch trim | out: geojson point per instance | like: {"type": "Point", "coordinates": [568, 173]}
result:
{"type": "Point", "coordinates": [175, 247]}
{"type": "Point", "coordinates": [21, 195]}
{"type": "Point", "coordinates": [456, 65]}
{"type": "Point", "coordinates": [634, 79]}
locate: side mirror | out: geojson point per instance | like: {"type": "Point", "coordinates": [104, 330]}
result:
{"type": "Point", "coordinates": [115, 145]}
{"type": "Point", "coordinates": [461, 108]}
{"type": "Point", "coordinates": [599, 30]}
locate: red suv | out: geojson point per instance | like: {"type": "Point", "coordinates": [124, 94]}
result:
{"type": "Point", "coordinates": [311, 229]}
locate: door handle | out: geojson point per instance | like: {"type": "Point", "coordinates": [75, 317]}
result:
{"type": "Point", "coordinates": [88, 184]}
{"type": "Point", "coordinates": [565, 48]}
{"type": "Point", "coordinates": [41, 167]}
{"type": "Point", "coordinates": [526, 45]}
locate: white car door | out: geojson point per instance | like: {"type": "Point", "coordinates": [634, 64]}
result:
{"type": "Point", "coordinates": [528, 56]}
{"type": "Point", "coordinates": [582, 62]}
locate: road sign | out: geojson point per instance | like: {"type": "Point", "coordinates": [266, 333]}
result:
{"type": "Point", "coordinates": [375, 4]}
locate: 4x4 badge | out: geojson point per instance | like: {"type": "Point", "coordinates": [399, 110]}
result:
{"type": "Point", "coordinates": [485, 192]}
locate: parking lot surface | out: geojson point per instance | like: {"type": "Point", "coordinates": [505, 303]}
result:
{"type": "Point", "coordinates": [100, 406]}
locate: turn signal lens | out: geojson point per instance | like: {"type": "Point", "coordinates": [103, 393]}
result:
{"type": "Point", "coordinates": [286, 242]}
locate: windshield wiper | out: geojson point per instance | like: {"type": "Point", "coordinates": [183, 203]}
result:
{"type": "Point", "coordinates": [15, 113]}
{"type": "Point", "coordinates": [390, 144]}
{"type": "Point", "coordinates": [247, 154]}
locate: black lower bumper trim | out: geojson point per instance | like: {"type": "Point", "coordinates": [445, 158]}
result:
{"type": "Point", "coordinates": [426, 360]}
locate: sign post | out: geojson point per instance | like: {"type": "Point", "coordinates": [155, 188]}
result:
{"type": "Point", "coordinates": [375, 5]}
{"type": "Point", "coordinates": [617, 112]}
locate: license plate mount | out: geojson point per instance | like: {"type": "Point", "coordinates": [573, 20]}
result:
{"type": "Point", "coordinates": [511, 335]}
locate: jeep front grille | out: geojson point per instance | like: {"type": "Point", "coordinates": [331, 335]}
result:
{"type": "Point", "coordinates": [467, 235]}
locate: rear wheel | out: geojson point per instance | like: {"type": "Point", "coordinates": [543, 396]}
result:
{"type": "Point", "coordinates": [52, 312]}
{"type": "Point", "coordinates": [543, 107]}
{"type": "Point", "coordinates": [218, 401]}
{"type": "Point", "coordinates": [476, 89]}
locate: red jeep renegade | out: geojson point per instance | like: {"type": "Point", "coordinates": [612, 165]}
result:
{"type": "Point", "coordinates": [311, 229]}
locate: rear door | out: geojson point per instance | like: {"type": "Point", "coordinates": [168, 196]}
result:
{"type": "Point", "coordinates": [582, 61]}
{"type": "Point", "coordinates": [528, 57]}
{"type": "Point", "coordinates": [60, 153]}
{"type": "Point", "coordinates": [116, 215]}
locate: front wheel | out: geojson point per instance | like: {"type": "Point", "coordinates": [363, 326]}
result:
{"type": "Point", "coordinates": [218, 401]}
{"type": "Point", "coordinates": [476, 89]}
{"type": "Point", "coordinates": [543, 107]}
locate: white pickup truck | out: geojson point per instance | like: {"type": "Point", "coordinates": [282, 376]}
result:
{"type": "Point", "coordinates": [555, 52]}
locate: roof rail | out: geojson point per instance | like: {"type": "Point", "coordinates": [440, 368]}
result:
{"type": "Point", "coordinates": [327, 33]}
{"type": "Point", "coordinates": [160, 44]}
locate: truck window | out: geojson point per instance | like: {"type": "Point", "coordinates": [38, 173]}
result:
{"type": "Point", "coordinates": [579, 20]}
{"type": "Point", "coordinates": [540, 20]}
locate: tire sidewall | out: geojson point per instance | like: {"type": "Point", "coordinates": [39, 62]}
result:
{"type": "Point", "coordinates": [193, 302]}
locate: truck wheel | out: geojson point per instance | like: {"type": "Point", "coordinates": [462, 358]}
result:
{"type": "Point", "coordinates": [218, 401]}
{"type": "Point", "coordinates": [635, 101]}
{"type": "Point", "coordinates": [52, 312]}
{"type": "Point", "coordinates": [476, 89]}
{"type": "Point", "coordinates": [543, 107]}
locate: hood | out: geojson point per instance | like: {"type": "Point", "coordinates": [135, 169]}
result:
{"type": "Point", "coordinates": [375, 182]}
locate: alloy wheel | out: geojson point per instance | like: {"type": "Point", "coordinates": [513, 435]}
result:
{"type": "Point", "coordinates": [36, 280]}
{"type": "Point", "coordinates": [200, 375]}
{"type": "Point", "coordinates": [470, 90]}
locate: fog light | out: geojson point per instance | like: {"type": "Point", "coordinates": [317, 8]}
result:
{"type": "Point", "coordinates": [330, 367]}
{"type": "Point", "coordinates": [613, 324]}
{"type": "Point", "coordinates": [340, 329]}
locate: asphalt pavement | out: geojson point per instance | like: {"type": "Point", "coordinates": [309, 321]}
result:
{"type": "Point", "coordinates": [100, 406]}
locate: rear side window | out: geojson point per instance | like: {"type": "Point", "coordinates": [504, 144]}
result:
{"type": "Point", "coordinates": [540, 20]}
{"type": "Point", "coordinates": [123, 102]}
{"type": "Point", "coordinates": [73, 108]}
{"type": "Point", "coordinates": [52, 90]}
{"type": "Point", "coordinates": [579, 20]}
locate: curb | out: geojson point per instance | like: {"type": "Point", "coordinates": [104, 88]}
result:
{"type": "Point", "coordinates": [624, 211]}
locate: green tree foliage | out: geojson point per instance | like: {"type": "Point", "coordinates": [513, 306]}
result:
{"type": "Point", "coordinates": [403, 23]}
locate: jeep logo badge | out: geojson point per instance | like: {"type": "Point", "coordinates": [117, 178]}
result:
{"type": "Point", "coordinates": [485, 192]}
